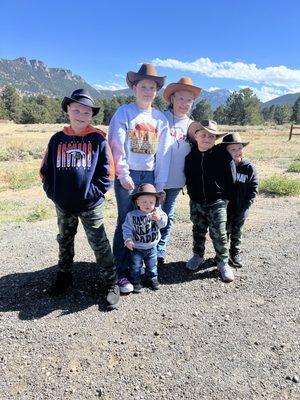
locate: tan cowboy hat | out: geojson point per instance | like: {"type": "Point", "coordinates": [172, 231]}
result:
{"type": "Point", "coordinates": [234, 138]}
{"type": "Point", "coordinates": [207, 125]}
{"type": "Point", "coordinates": [148, 188]}
{"type": "Point", "coordinates": [184, 83]}
{"type": "Point", "coordinates": [147, 71]}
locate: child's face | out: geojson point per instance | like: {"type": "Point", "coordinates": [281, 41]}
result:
{"type": "Point", "coordinates": [182, 101]}
{"type": "Point", "coordinates": [146, 202]}
{"type": "Point", "coordinates": [205, 140]}
{"type": "Point", "coordinates": [145, 92]}
{"type": "Point", "coordinates": [80, 116]}
{"type": "Point", "coordinates": [236, 152]}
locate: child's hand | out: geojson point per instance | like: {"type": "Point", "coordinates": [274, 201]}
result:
{"type": "Point", "coordinates": [129, 244]}
{"type": "Point", "coordinates": [155, 215]}
{"type": "Point", "coordinates": [128, 184]}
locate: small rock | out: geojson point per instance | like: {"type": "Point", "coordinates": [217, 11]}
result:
{"type": "Point", "coordinates": [99, 392]}
{"type": "Point", "coordinates": [295, 379]}
{"type": "Point", "coordinates": [156, 333]}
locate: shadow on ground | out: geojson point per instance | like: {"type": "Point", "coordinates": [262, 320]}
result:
{"type": "Point", "coordinates": [176, 272]}
{"type": "Point", "coordinates": [27, 292]}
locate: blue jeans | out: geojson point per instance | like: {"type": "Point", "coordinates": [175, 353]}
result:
{"type": "Point", "coordinates": [137, 257]}
{"type": "Point", "coordinates": [125, 204]}
{"type": "Point", "coordinates": [169, 208]}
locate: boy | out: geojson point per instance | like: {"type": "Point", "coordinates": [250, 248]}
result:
{"type": "Point", "coordinates": [210, 175]}
{"type": "Point", "coordinates": [139, 138]}
{"type": "Point", "coordinates": [76, 171]}
{"type": "Point", "coordinates": [141, 234]}
{"type": "Point", "coordinates": [245, 190]}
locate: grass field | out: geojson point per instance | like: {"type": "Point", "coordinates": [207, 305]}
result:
{"type": "Point", "coordinates": [22, 147]}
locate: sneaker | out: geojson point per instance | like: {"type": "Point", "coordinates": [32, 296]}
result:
{"type": "Point", "coordinates": [154, 284]}
{"type": "Point", "coordinates": [61, 284]}
{"type": "Point", "coordinates": [194, 262]}
{"type": "Point", "coordinates": [125, 286]}
{"type": "Point", "coordinates": [235, 261]}
{"type": "Point", "coordinates": [226, 272]}
{"type": "Point", "coordinates": [113, 297]}
{"type": "Point", "coordinates": [160, 261]}
{"type": "Point", "coordinates": [137, 288]}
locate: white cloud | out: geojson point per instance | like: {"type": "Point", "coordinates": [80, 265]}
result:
{"type": "Point", "coordinates": [119, 76]}
{"type": "Point", "coordinates": [266, 93]}
{"type": "Point", "coordinates": [109, 86]}
{"type": "Point", "coordinates": [279, 76]}
{"type": "Point", "coordinates": [212, 89]}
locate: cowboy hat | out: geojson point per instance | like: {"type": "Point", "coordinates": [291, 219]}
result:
{"type": "Point", "coordinates": [80, 96]}
{"type": "Point", "coordinates": [148, 189]}
{"type": "Point", "coordinates": [184, 83]}
{"type": "Point", "coordinates": [147, 71]}
{"type": "Point", "coordinates": [206, 124]}
{"type": "Point", "coordinates": [234, 138]}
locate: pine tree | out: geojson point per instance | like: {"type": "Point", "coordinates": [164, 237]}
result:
{"type": "Point", "coordinates": [296, 112]}
{"type": "Point", "coordinates": [202, 111]}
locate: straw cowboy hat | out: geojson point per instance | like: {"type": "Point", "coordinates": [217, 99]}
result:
{"type": "Point", "coordinates": [148, 188]}
{"type": "Point", "coordinates": [147, 71]}
{"type": "Point", "coordinates": [80, 96]}
{"type": "Point", "coordinates": [184, 83]}
{"type": "Point", "coordinates": [234, 138]}
{"type": "Point", "coordinates": [208, 125]}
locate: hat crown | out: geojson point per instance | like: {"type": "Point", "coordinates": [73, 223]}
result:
{"type": "Point", "coordinates": [186, 80]}
{"type": "Point", "coordinates": [234, 137]}
{"type": "Point", "coordinates": [146, 188]}
{"type": "Point", "coordinates": [81, 93]}
{"type": "Point", "coordinates": [147, 69]}
{"type": "Point", "coordinates": [210, 124]}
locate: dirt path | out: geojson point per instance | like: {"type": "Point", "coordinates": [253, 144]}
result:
{"type": "Point", "coordinates": [196, 338]}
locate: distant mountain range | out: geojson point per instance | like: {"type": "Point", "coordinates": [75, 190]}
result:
{"type": "Point", "coordinates": [35, 77]}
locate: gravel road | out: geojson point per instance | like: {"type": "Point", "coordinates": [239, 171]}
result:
{"type": "Point", "coordinates": [196, 338]}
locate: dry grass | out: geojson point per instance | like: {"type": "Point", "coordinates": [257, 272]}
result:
{"type": "Point", "coordinates": [22, 146]}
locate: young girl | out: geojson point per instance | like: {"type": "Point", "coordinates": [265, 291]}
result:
{"type": "Point", "coordinates": [140, 140]}
{"type": "Point", "coordinates": [180, 96]}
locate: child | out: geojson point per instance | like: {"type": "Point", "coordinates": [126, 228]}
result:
{"type": "Point", "coordinates": [139, 138]}
{"type": "Point", "coordinates": [77, 170]}
{"type": "Point", "coordinates": [210, 174]}
{"type": "Point", "coordinates": [141, 234]}
{"type": "Point", "coordinates": [246, 188]}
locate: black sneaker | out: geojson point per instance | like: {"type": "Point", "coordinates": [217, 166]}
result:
{"type": "Point", "coordinates": [113, 297]}
{"type": "Point", "coordinates": [154, 284]}
{"type": "Point", "coordinates": [235, 261]}
{"type": "Point", "coordinates": [62, 283]}
{"type": "Point", "coordinates": [137, 288]}
{"type": "Point", "coordinates": [160, 261]}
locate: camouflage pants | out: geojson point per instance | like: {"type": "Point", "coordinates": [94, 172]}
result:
{"type": "Point", "coordinates": [92, 222]}
{"type": "Point", "coordinates": [235, 223]}
{"type": "Point", "coordinates": [213, 217]}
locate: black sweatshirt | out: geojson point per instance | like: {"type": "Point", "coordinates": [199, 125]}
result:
{"type": "Point", "coordinates": [77, 170]}
{"type": "Point", "coordinates": [245, 188]}
{"type": "Point", "coordinates": [210, 175]}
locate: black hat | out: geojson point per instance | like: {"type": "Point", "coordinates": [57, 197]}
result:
{"type": "Point", "coordinates": [80, 96]}
{"type": "Point", "coordinates": [148, 188]}
{"type": "Point", "coordinates": [234, 138]}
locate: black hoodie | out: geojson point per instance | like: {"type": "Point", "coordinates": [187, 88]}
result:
{"type": "Point", "coordinates": [210, 175]}
{"type": "Point", "coordinates": [246, 186]}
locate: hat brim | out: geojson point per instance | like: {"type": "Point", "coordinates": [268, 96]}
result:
{"type": "Point", "coordinates": [159, 195]}
{"type": "Point", "coordinates": [175, 87]}
{"type": "Point", "coordinates": [196, 126]}
{"type": "Point", "coordinates": [85, 102]}
{"type": "Point", "coordinates": [243, 143]}
{"type": "Point", "coordinates": [133, 77]}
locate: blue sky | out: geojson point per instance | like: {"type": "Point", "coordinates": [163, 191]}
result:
{"type": "Point", "coordinates": [219, 44]}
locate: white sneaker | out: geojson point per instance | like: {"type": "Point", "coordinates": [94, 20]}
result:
{"type": "Point", "coordinates": [194, 262]}
{"type": "Point", "coordinates": [226, 272]}
{"type": "Point", "coordinates": [125, 286]}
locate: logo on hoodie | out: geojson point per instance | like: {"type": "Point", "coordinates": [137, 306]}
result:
{"type": "Point", "coordinates": [143, 139]}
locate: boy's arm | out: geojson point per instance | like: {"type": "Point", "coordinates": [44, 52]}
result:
{"type": "Point", "coordinates": [46, 169]}
{"type": "Point", "coordinates": [252, 186]}
{"type": "Point", "coordinates": [164, 219]}
{"type": "Point", "coordinates": [229, 176]}
{"type": "Point", "coordinates": [163, 156]}
{"type": "Point", "coordinates": [127, 228]}
{"type": "Point", "coordinates": [117, 133]}
{"type": "Point", "coordinates": [105, 172]}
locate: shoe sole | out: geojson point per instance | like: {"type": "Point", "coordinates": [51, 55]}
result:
{"type": "Point", "coordinates": [125, 291]}
{"type": "Point", "coordinates": [195, 269]}
{"type": "Point", "coordinates": [232, 264]}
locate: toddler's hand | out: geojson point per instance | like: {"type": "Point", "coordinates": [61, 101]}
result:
{"type": "Point", "coordinates": [129, 244]}
{"type": "Point", "coordinates": [155, 215]}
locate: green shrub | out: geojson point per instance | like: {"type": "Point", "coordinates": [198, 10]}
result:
{"type": "Point", "coordinates": [39, 213]}
{"type": "Point", "coordinates": [295, 166]}
{"type": "Point", "coordinates": [280, 186]}
{"type": "Point", "coordinates": [21, 179]}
